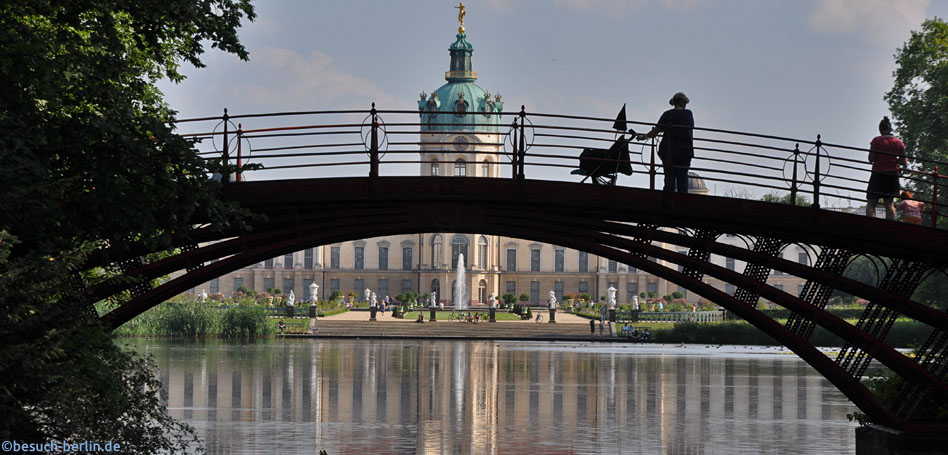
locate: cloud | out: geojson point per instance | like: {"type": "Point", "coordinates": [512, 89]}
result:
{"type": "Point", "coordinates": [292, 80]}
{"type": "Point", "coordinates": [625, 7]}
{"type": "Point", "coordinates": [873, 20]}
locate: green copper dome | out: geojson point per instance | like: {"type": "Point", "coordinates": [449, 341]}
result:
{"type": "Point", "coordinates": [469, 107]}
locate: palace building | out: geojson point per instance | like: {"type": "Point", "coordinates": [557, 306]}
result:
{"type": "Point", "coordinates": [461, 137]}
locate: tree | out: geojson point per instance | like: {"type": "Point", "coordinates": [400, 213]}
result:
{"type": "Point", "coordinates": [919, 102]}
{"type": "Point", "coordinates": [90, 159]}
{"type": "Point", "coordinates": [778, 198]}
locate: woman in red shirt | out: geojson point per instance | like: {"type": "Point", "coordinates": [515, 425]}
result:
{"type": "Point", "coordinates": [886, 153]}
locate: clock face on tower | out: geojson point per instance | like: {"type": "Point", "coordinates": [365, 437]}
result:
{"type": "Point", "coordinates": [460, 143]}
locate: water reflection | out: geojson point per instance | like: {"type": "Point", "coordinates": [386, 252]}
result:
{"type": "Point", "coordinates": [440, 397]}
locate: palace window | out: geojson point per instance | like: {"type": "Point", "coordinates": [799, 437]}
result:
{"type": "Point", "coordinates": [583, 261]}
{"type": "Point", "coordinates": [360, 289]}
{"type": "Point", "coordinates": [459, 247]}
{"type": "Point", "coordinates": [803, 258]}
{"type": "Point", "coordinates": [382, 289]}
{"type": "Point", "coordinates": [436, 251]}
{"type": "Point", "coordinates": [436, 288]}
{"type": "Point", "coordinates": [334, 257]}
{"type": "Point", "coordinates": [460, 168]}
{"type": "Point", "coordinates": [383, 258]}
{"type": "Point", "coordinates": [482, 252]}
{"type": "Point", "coordinates": [535, 260]}
{"type": "Point", "coordinates": [559, 259]}
{"type": "Point", "coordinates": [359, 258]}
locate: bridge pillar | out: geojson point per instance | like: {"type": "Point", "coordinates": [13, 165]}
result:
{"type": "Point", "coordinates": [880, 440]}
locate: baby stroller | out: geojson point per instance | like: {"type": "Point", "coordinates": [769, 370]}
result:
{"type": "Point", "coordinates": [602, 166]}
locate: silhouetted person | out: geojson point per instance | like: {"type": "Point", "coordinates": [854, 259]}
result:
{"type": "Point", "coordinates": [886, 153]}
{"type": "Point", "coordinates": [677, 147]}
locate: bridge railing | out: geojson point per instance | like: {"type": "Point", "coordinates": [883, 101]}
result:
{"type": "Point", "coordinates": [290, 145]}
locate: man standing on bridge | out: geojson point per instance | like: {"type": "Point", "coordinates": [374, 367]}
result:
{"type": "Point", "coordinates": [886, 153]}
{"type": "Point", "coordinates": [677, 147]}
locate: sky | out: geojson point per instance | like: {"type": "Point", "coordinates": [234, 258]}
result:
{"type": "Point", "coordinates": [793, 68]}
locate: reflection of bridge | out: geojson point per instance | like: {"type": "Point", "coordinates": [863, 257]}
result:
{"type": "Point", "coordinates": [615, 222]}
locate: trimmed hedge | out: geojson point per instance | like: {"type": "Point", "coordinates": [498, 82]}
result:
{"type": "Point", "coordinates": [904, 334]}
{"type": "Point", "coordinates": [783, 313]}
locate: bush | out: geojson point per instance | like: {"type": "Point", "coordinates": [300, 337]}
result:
{"type": "Point", "coordinates": [904, 334]}
{"type": "Point", "coordinates": [245, 322]}
{"type": "Point", "coordinates": [191, 319]}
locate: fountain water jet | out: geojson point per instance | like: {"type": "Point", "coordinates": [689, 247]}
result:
{"type": "Point", "coordinates": [460, 300]}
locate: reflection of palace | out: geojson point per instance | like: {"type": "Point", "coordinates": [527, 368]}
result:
{"type": "Point", "coordinates": [462, 144]}
{"type": "Point", "coordinates": [482, 398]}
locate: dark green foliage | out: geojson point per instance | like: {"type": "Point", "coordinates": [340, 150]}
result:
{"type": "Point", "coordinates": [782, 314]}
{"type": "Point", "coordinates": [245, 322]}
{"type": "Point", "coordinates": [933, 290]}
{"type": "Point", "coordinates": [889, 389]}
{"type": "Point", "coordinates": [780, 198]}
{"type": "Point", "coordinates": [903, 334]}
{"type": "Point", "coordinates": [89, 159]}
{"type": "Point", "coordinates": [919, 103]}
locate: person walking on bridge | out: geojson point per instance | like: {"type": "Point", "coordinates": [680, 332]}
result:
{"type": "Point", "coordinates": [677, 147]}
{"type": "Point", "coordinates": [886, 153]}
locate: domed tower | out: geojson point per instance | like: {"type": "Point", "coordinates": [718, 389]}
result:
{"type": "Point", "coordinates": [460, 121]}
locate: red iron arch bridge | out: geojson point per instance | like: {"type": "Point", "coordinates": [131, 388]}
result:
{"type": "Point", "coordinates": [332, 176]}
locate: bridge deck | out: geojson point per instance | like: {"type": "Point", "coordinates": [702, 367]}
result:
{"type": "Point", "coordinates": [440, 201]}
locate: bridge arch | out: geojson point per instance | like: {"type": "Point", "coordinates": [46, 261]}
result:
{"type": "Point", "coordinates": [547, 212]}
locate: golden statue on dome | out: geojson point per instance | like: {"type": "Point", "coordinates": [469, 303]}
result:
{"type": "Point", "coordinates": [461, 14]}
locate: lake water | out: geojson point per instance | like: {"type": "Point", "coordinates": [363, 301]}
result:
{"type": "Point", "coordinates": [475, 397]}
